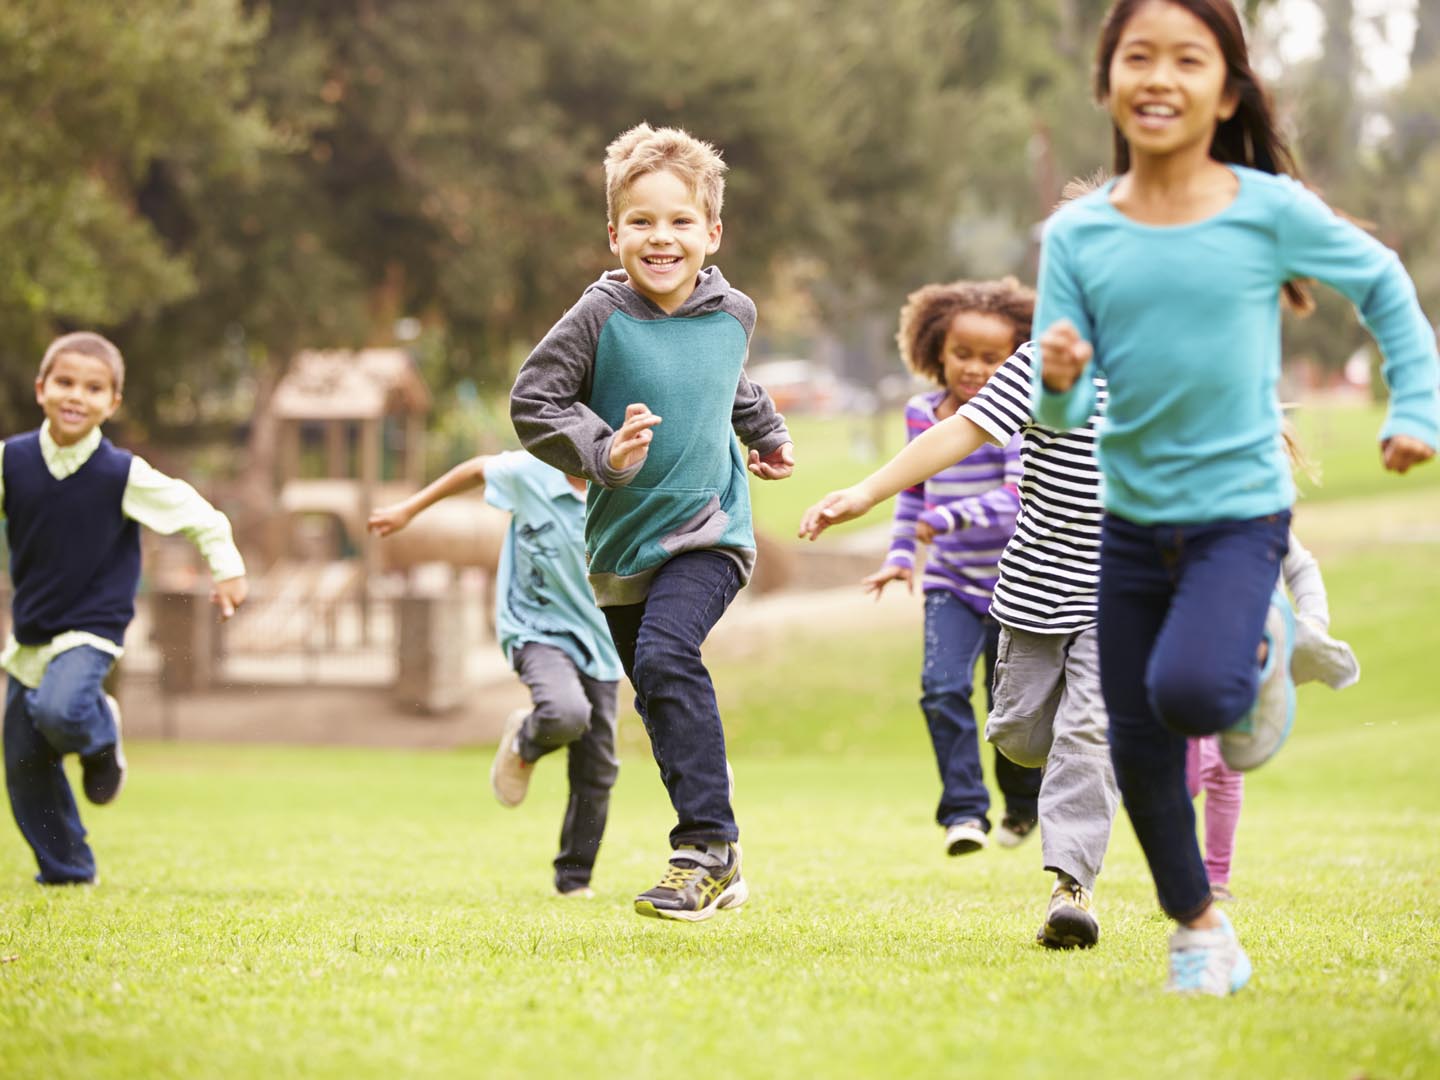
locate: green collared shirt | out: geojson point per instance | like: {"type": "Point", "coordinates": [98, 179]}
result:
{"type": "Point", "coordinates": [158, 502]}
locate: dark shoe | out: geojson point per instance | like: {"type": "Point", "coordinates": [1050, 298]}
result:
{"type": "Point", "coordinates": [1014, 830]}
{"type": "Point", "coordinates": [1068, 921]}
{"type": "Point", "coordinates": [691, 892]}
{"type": "Point", "coordinates": [103, 772]}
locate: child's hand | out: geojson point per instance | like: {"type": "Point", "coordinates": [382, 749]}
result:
{"type": "Point", "coordinates": [1400, 452]}
{"type": "Point", "coordinates": [924, 531]}
{"type": "Point", "coordinates": [389, 519]}
{"type": "Point", "coordinates": [632, 441]}
{"type": "Point", "coordinates": [1064, 356]}
{"type": "Point", "coordinates": [776, 465]}
{"type": "Point", "coordinates": [229, 595]}
{"type": "Point", "coordinates": [877, 581]}
{"type": "Point", "coordinates": [845, 505]}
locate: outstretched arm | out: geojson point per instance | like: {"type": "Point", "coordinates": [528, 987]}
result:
{"type": "Point", "coordinates": [463, 477]}
{"type": "Point", "coordinates": [929, 452]}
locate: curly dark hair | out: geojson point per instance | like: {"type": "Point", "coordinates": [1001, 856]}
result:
{"type": "Point", "coordinates": [929, 311]}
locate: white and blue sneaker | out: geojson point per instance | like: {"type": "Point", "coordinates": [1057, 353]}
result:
{"type": "Point", "coordinates": [1207, 961]}
{"type": "Point", "coordinates": [1258, 736]}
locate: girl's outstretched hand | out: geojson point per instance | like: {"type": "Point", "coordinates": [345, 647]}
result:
{"type": "Point", "coordinates": [1400, 452]}
{"type": "Point", "coordinates": [845, 505]}
{"type": "Point", "coordinates": [877, 581]}
{"type": "Point", "coordinates": [228, 595]}
{"type": "Point", "coordinates": [1064, 355]}
{"type": "Point", "coordinates": [385, 520]}
{"type": "Point", "coordinates": [632, 441]}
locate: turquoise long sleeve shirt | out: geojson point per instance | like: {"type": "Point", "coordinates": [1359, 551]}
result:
{"type": "Point", "coordinates": [1185, 324]}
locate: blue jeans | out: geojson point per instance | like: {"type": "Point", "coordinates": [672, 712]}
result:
{"type": "Point", "coordinates": [955, 636]}
{"type": "Point", "coordinates": [65, 714]}
{"type": "Point", "coordinates": [1181, 615]}
{"type": "Point", "coordinates": [659, 643]}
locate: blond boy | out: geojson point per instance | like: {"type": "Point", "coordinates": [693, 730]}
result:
{"type": "Point", "coordinates": [668, 532]}
{"type": "Point", "coordinates": [73, 504]}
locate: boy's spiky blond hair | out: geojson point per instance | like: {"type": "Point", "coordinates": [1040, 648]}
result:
{"type": "Point", "coordinates": [643, 150]}
{"type": "Point", "coordinates": [928, 312]}
{"type": "Point", "coordinates": [86, 343]}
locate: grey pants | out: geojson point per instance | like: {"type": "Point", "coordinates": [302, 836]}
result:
{"type": "Point", "coordinates": [575, 711]}
{"type": "Point", "coordinates": [1049, 712]}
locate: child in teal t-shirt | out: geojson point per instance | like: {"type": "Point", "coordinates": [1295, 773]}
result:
{"type": "Point", "coordinates": [553, 635]}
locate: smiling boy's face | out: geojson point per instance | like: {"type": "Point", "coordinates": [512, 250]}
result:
{"type": "Point", "coordinates": [77, 394]}
{"type": "Point", "coordinates": [662, 236]}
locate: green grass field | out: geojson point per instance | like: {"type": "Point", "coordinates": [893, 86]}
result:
{"type": "Point", "coordinates": [326, 913]}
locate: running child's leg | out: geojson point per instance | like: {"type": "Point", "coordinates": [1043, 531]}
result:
{"type": "Point", "coordinates": [954, 638]}
{"type": "Point", "coordinates": [1079, 797]}
{"type": "Point", "coordinates": [1019, 786]}
{"type": "Point", "coordinates": [559, 715]}
{"type": "Point", "coordinates": [659, 647]}
{"type": "Point", "coordinates": [593, 768]}
{"type": "Point", "coordinates": [67, 713]}
{"type": "Point", "coordinates": [1224, 795]}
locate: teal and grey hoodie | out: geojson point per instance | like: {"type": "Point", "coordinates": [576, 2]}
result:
{"type": "Point", "coordinates": [614, 348]}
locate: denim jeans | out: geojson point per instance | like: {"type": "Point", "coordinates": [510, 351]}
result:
{"type": "Point", "coordinates": [955, 636]}
{"type": "Point", "coordinates": [65, 714]}
{"type": "Point", "coordinates": [659, 643]}
{"type": "Point", "coordinates": [573, 711]}
{"type": "Point", "coordinates": [1181, 615]}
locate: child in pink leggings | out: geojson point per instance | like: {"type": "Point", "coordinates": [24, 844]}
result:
{"type": "Point", "coordinates": [1319, 658]}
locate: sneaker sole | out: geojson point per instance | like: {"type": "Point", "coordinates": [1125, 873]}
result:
{"type": "Point", "coordinates": [1070, 934]}
{"type": "Point", "coordinates": [965, 846]}
{"type": "Point", "coordinates": [733, 897]}
{"type": "Point", "coordinates": [1241, 751]}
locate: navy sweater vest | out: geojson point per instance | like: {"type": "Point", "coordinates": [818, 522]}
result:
{"type": "Point", "coordinates": [74, 556]}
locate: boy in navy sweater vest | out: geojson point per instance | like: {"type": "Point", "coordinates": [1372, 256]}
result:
{"type": "Point", "coordinates": [73, 504]}
{"type": "Point", "coordinates": [667, 525]}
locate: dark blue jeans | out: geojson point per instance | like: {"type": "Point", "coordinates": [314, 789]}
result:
{"type": "Point", "coordinates": [1181, 615]}
{"type": "Point", "coordinates": [955, 636]}
{"type": "Point", "coordinates": [659, 645]}
{"type": "Point", "coordinates": [65, 714]}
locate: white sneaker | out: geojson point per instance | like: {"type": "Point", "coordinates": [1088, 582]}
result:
{"type": "Point", "coordinates": [1207, 961]}
{"type": "Point", "coordinates": [1014, 831]}
{"type": "Point", "coordinates": [965, 836]}
{"type": "Point", "coordinates": [509, 772]}
{"type": "Point", "coordinates": [579, 892]}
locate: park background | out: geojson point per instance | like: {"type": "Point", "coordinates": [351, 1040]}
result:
{"type": "Point", "coordinates": [220, 186]}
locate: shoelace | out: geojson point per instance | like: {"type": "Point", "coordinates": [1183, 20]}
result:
{"type": "Point", "coordinates": [1187, 968]}
{"type": "Point", "coordinates": [677, 877]}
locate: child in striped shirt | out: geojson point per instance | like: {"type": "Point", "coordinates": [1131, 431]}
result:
{"type": "Point", "coordinates": [957, 335]}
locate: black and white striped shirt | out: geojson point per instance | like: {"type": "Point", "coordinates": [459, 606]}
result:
{"type": "Point", "coordinates": [1051, 567]}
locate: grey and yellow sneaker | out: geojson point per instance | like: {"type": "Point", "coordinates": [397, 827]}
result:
{"type": "Point", "coordinates": [692, 891]}
{"type": "Point", "coordinates": [1207, 961]}
{"type": "Point", "coordinates": [102, 774]}
{"type": "Point", "coordinates": [509, 772]}
{"type": "Point", "coordinates": [1069, 922]}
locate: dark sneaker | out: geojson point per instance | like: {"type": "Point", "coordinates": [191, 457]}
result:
{"type": "Point", "coordinates": [1013, 831]}
{"type": "Point", "coordinates": [102, 773]}
{"type": "Point", "coordinates": [692, 892]}
{"type": "Point", "coordinates": [509, 772]}
{"type": "Point", "coordinates": [963, 837]}
{"type": "Point", "coordinates": [1069, 923]}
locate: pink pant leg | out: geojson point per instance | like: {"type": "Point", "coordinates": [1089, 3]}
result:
{"type": "Point", "coordinates": [1224, 794]}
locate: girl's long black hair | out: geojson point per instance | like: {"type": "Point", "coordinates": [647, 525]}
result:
{"type": "Point", "coordinates": [1250, 137]}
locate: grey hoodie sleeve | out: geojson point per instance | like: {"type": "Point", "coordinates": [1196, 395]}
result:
{"type": "Point", "coordinates": [1302, 576]}
{"type": "Point", "coordinates": [547, 402]}
{"type": "Point", "coordinates": [753, 415]}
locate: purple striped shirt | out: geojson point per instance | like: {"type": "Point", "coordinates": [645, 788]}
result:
{"type": "Point", "coordinates": [971, 506]}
